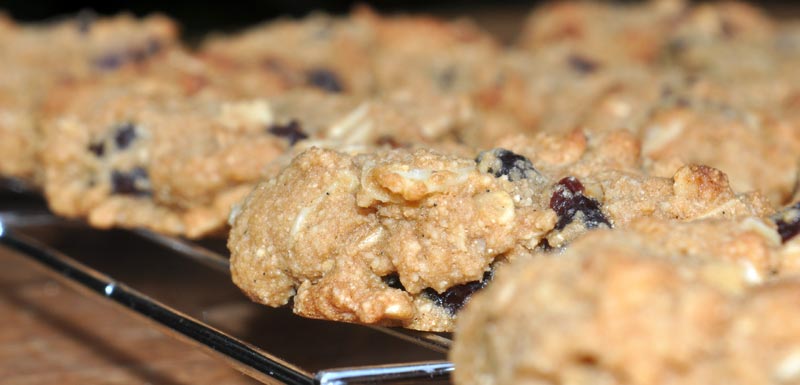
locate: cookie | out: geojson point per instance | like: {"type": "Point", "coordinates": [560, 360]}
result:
{"type": "Point", "coordinates": [156, 154]}
{"type": "Point", "coordinates": [364, 53]}
{"type": "Point", "coordinates": [422, 55]}
{"type": "Point", "coordinates": [757, 150]}
{"type": "Point", "coordinates": [549, 90]}
{"type": "Point", "coordinates": [171, 145]}
{"type": "Point", "coordinates": [603, 176]}
{"type": "Point", "coordinates": [395, 238]}
{"type": "Point", "coordinates": [647, 33]}
{"type": "Point", "coordinates": [787, 221]}
{"type": "Point", "coordinates": [632, 307]}
{"type": "Point", "coordinates": [761, 349]}
{"type": "Point", "coordinates": [679, 119]}
{"type": "Point", "coordinates": [603, 33]}
{"type": "Point", "coordinates": [323, 52]}
{"type": "Point", "coordinates": [38, 57]}
{"type": "Point", "coordinates": [384, 224]}
{"type": "Point", "coordinates": [108, 158]}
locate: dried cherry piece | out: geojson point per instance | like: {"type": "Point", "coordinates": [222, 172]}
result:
{"type": "Point", "coordinates": [728, 28]}
{"type": "Point", "coordinates": [393, 280]}
{"type": "Point", "coordinates": [571, 184]}
{"type": "Point", "coordinates": [676, 47]}
{"type": "Point", "coordinates": [109, 61]}
{"type": "Point", "coordinates": [291, 131]}
{"type": "Point", "coordinates": [788, 222]}
{"type": "Point", "coordinates": [97, 148]}
{"type": "Point", "coordinates": [568, 200]}
{"type": "Point", "coordinates": [499, 162]}
{"type": "Point", "coordinates": [124, 135]}
{"type": "Point", "coordinates": [545, 246]}
{"type": "Point", "coordinates": [446, 78]}
{"type": "Point", "coordinates": [153, 46]}
{"type": "Point", "coordinates": [325, 79]}
{"type": "Point", "coordinates": [582, 64]}
{"type": "Point", "coordinates": [138, 55]}
{"type": "Point", "coordinates": [134, 182]}
{"type": "Point", "coordinates": [454, 298]}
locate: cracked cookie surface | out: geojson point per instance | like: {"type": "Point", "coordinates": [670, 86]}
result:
{"type": "Point", "coordinates": [426, 224]}
{"type": "Point", "coordinates": [378, 238]}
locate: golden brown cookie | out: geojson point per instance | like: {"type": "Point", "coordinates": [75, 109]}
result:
{"type": "Point", "coordinates": [399, 238]}
{"type": "Point", "coordinates": [653, 304]}
{"type": "Point", "coordinates": [37, 57]}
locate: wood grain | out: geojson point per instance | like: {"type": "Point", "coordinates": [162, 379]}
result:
{"type": "Point", "coordinates": [50, 334]}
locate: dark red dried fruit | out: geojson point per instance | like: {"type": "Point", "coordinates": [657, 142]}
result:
{"type": "Point", "coordinates": [291, 131]}
{"type": "Point", "coordinates": [140, 54]}
{"type": "Point", "coordinates": [115, 59]}
{"type": "Point", "coordinates": [788, 222]}
{"type": "Point", "coordinates": [324, 79]}
{"type": "Point", "coordinates": [676, 47]}
{"type": "Point", "coordinates": [728, 28]}
{"type": "Point", "coordinates": [454, 298]}
{"type": "Point", "coordinates": [500, 162]}
{"type": "Point", "coordinates": [446, 78]}
{"type": "Point", "coordinates": [682, 102]}
{"type": "Point", "coordinates": [124, 135]}
{"type": "Point", "coordinates": [582, 64]}
{"type": "Point", "coordinates": [109, 61]}
{"type": "Point", "coordinates": [568, 201]}
{"type": "Point", "coordinates": [571, 184]}
{"type": "Point", "coordinates": [393, 281]}
{"type": "Point", "coordinates": [545, 246]}
{"type": "Point", "coordinates": [97, 148]}
{"type": "Point", "coordinates": [134, 182]}
{"type": "Point", "coordinates": [153, 47]}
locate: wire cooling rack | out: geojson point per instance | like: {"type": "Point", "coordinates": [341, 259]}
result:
{"type": "Point", "coordinates": [20, 224]}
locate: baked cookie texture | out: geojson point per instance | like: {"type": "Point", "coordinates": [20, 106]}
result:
{"type": "Point", "coordinates": [320, 51]}
{"type": "Point", "coordinates": [364, 53]}
{"type": "Point", "coordinates": [129, 165]}
{"type": "Point", "coordinates": [635, 307]}
{"type": "Point", "coordinates": [678, 76]}
{"type": "Point", "coordinates": [172, 146]}
{"type": "Point", "coordinates": [474, 92]}
{"type": "Point", "coordinates": [645, 32]}
{"type": "Point", "coordinates": [426, 56]}
{"type": "Point", "coordinates": [205, 128]}
{"type": "Point", "coordinates": [38, 57]}
{"type": "Point", "coordinates": [604, 174]}
{"type": "Point", "coordinates": [356, 237]}
{"type": "Point", "coordinates": [671, 294]}
{"type": "Point", "coordinates": [756, 150]}
{"type": "Point", "coordinates": [384, 238]}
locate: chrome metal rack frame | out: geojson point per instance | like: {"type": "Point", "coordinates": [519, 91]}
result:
{"type": "Point", "coordinates": [249, 359]}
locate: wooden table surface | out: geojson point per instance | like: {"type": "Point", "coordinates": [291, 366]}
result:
{"type": "Point", "coordinates": [51, 334]}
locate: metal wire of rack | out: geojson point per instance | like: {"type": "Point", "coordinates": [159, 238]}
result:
{"type": "Point", "coordinates": [249, 359]}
